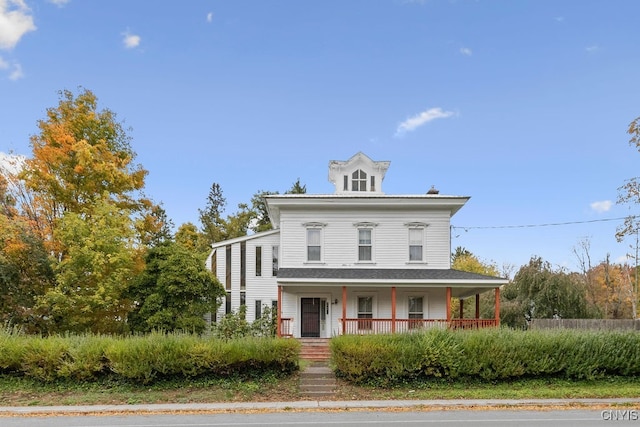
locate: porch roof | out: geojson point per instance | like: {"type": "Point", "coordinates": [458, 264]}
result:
{"type": "Point", "coordinates": [431, 276]}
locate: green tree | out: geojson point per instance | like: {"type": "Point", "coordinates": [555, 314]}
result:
{"type": "Point", "coordinates": [297, 188]}
{"type": "Point", "coordinates": [99, 265]}
{"type": "Point", "coordinates": [261, 220]}
{"type": "Point", "coordinates": [81, 156]}
{"type": "Point", "coordinates": [213, 225]}
{"type": "Point", "coordinates": [25, 272]}
{"type": "Point", "coordinates": [464, 260]}
{"type": "Point", "coordinates": [538, 291]}
{"type": "Point", "coordinates": [174, 291]}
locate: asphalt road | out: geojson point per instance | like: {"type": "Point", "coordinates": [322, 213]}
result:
{"type": "Point", "coordinates": [356, 418]}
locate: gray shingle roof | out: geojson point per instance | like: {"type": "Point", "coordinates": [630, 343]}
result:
{"type": "Point", "coordinates": [385, 274]}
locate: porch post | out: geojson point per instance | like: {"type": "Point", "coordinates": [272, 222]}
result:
{"type": "Point", "coordinates": [279, 331]}
{"type": "Point", "coordinates": [477, 306]}
{"type": "Point", "coordinates": [344, 310]}
{"type": "Point", "coordinates": [461, 308]}
{"type": "Point", "coordinates": [497, 307]}
{"type": "Point", "coordinates": [393, 309]}
{"type": "Point", "coordinates": [448, 304]}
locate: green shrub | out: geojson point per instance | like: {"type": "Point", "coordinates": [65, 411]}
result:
{"type": "Point", "coordinates": [85, 359]}
{"type": "Point", "coordinates": [12, 345]}
{"type": "Point", "coordinates": [489, 354]}
{"type": "Point", "coordinates": [43, 357]}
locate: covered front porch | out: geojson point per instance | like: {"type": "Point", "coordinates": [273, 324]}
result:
{"type": "Point", "coordinates": [326, 310]}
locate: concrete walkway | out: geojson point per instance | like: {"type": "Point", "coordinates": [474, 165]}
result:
{"type": "Point", "coordinates": [313, 405]}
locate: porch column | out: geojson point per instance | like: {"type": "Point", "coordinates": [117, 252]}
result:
{"type": "Point", "coordinates": [497, 307]}
{"type": "Point", "coordinates": [477, 306]}
{"type": "Point", "coordinates": [344, 310]}
{"type": "Point", "coordinates": [393, 309]}
{"type": "Point", "coordinates": [279, 331]}
{"type": "Point", "coordinates": [461, 308]}
{"type": "Point", "coordinates": [448, 304]}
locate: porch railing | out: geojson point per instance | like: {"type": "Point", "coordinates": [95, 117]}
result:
{"type": "Point", "coordinates": [286, 327]}
{"type": "Point", "coordinates": [387, 326]}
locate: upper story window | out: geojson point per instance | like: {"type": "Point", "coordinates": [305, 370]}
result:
{"type": "Point", "coordinates": [274, 261]}
{"type": "Point", "coordinates": [314, 240]}
{"type": "Point", "coordinates": [314, 244]}
{"type": "Point", "coordinates": [365, 247]}
{"type": "Point", "coordinates": [416, 244]}
{"type": "Point", "coordinates": [258, 260]}
{"type": "Point", "coordinates": [365, 235]}
{"type": "Point", "coordinates": [359, 181]}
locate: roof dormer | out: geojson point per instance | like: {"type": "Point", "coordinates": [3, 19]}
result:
{"type": "Point", "coordinates": [358, 175]}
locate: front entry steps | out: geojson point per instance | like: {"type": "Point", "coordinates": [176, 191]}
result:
{"type": "Point", "coordinates": [317, 381]}
{"type": "Point", "coordinates": [315, 349]}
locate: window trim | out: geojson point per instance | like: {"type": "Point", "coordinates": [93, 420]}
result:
{"type": "Point", "coordinates": [309, 226]}
{"type": "Point", "coordinates": [359, 178]}
{"type": "Point", "coordinates": [275, 260]}
{"type": "Point", "coordinates": [425, 309]}
{"type": "Point", "coordinates": [422, 227]}
{"type": "Point", "coordinates": [366, 326]}
{"type": "Point", "coordinates": [258, 254]}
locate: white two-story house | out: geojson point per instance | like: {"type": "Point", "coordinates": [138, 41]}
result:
{"type": "Point", "coordinates": [355, 261]}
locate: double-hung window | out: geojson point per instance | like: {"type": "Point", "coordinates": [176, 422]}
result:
{"type": "Point", "coordinates": [416, 311]}
{"type": "Point", "coordinates": [314, 244]}
{"type": "Point", "coordinates": [416, 244]}
{"type": "Point", "coordinates": [365, 244]}
{"type": "Point", "coordinates": [365, 311]}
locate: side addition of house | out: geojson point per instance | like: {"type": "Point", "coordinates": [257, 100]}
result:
{"type": "Point", "coordinates": [352, 262]}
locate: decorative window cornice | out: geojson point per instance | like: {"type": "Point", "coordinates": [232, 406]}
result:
{"type": "Point", "coordinates": [314, 224]}
{"type": "Point", "coordinates": [416, 224]}
{"type": "Point", "coordinates": [365, 224]}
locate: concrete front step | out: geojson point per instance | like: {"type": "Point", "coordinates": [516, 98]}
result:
{"type": "Point", "coordinates": [317, 381]}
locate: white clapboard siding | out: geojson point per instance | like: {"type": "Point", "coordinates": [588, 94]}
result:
{"type": "Point", "coordinates": [390, 237]}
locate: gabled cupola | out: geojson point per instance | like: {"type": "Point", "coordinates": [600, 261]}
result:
{"type": "Point", "coordinates": [358, 176]}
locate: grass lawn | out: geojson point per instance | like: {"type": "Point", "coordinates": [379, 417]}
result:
{"type": "Point", "coordinates": [16, 391]}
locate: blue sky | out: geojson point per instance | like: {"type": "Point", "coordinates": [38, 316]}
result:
{"type": "Point", "coordinates": [522, 105]}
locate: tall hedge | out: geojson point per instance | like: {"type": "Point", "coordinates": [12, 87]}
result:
{"type": "Point", "coordinates": [489, 354]}
{"type": "Point", "coordinates": [143, 359]}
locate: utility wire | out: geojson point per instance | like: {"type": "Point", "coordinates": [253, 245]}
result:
{"type": "Point", "coordinates": [550, 224]}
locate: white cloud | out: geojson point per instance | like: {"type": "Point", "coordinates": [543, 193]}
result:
{"type": "Point", "coordinates": [592, 49]}
{"type": "Point", "coordinates": [59, 3]}
{"type": "Point", "coordinates": [16, 73]}
{"type": "Point", "coordinates": [412, 123]}
{"type": "Point", "coordinates": [209, 17]}
{"type": "Point", "coordinates": [15, 22]}
{"type": "Point", "coordinates": [16, 69]}
{"type": "Point", "coordinates": [466, 51]}
{"type": "Point", "coordinates": [130, 40]}
{"type": "Point", "coordinates": [601, 207]}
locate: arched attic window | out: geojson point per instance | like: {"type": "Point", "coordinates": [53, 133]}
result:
{"type": "Point", "coordinates": [359, 180]}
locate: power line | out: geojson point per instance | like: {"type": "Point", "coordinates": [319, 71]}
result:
{"type": "Point", "coordinates": [550, 224]}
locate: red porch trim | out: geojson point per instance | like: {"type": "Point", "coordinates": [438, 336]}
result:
{"type": "Point", "coordinates": [279, 331]}
{"type": "Point", "coordinates": [344, 309]}
{"type": "Point", "coordinates": [497, 307]}
{"type": "Point", "coordinates": [393, 309]}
